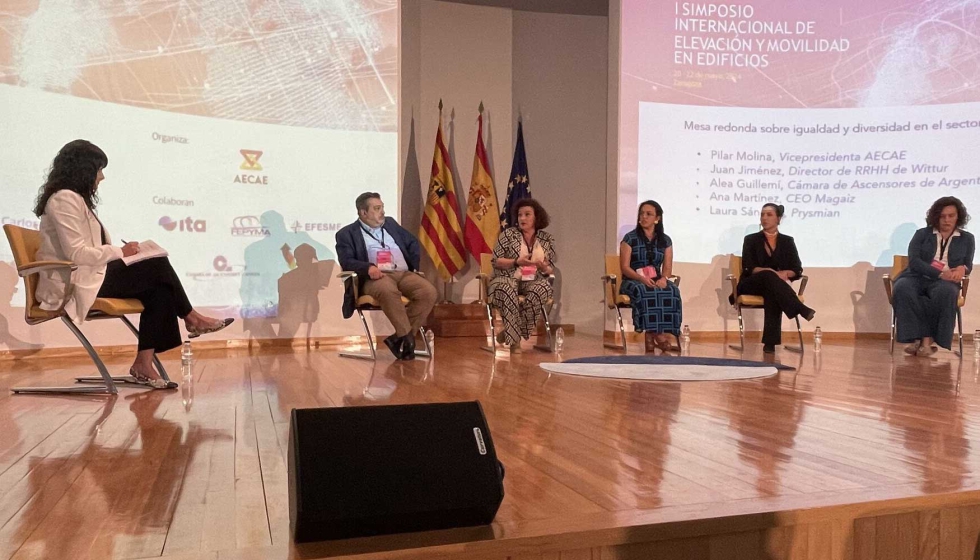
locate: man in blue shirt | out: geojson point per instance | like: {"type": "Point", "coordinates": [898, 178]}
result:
{"type": "Point", "coordinates": [385, 257]}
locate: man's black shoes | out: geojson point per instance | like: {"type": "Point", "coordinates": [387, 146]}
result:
{"type": "Point", "coordinates": [403, 347]}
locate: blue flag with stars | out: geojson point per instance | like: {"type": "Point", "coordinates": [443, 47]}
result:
{"type": "Point", "coordinates": [518, 185]}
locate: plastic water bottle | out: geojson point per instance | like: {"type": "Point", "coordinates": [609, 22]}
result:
{"type": "Point", "coordinates": [430, 341]}
{"type": "Point", "coordinates": [685, 340]}
{"type": "Point", "coordinates": [559, 340]}
{"type": "Point", "coordinates": [817, 339]}
{"type": "Point", "coordinates": [187, 392]}
{"type": "Point", "coordinates": [186, 360]}
{"type": "Point", "coordinates": [976, 345]}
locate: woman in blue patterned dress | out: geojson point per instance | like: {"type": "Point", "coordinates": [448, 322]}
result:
{"type": "Point", "coordinates": [646, 257]}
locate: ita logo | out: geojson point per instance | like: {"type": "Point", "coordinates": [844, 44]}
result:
{"type": "Point", "coordinates": [187, 224]}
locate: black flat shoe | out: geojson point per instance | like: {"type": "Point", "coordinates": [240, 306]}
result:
{"type": "Point", "coordinates": [408, 346]}
{"type": "Point", "coordinates": [394, 343]}
{"type": "Point", "coordinates": [768, 348]}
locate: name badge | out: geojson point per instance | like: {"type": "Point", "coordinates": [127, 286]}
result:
{"type": "Point", "coordinates": [648, 272]}
{"type": "Point", "coordinates": [528, 272]}
{"type": "Point", "coordinates": [938, 265]}
{"type": "Point", "coordinates": [385, 260]}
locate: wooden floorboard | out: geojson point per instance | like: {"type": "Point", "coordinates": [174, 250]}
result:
{"type": "Point", "coordinates": [201, 473]}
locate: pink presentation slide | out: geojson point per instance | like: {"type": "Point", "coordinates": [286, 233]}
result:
{"type": "Point", "coordinates": [839, 110]}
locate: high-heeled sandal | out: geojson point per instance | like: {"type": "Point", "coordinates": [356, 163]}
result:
{"type": "Point", "coordinates": [194, 333]}
{"type": "Point", "coordinates": [650, 343]}
{"type": "Point", "coordinates": [155, 383]}
{"type": "Point", "coordinates": [664, 344]}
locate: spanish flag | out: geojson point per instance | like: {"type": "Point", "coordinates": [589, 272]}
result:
{"type": "Point", "coordinates": [482, 223]}
{"type": "Point", "coordinates": [440, 232]}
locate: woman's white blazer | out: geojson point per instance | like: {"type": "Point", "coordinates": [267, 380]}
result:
{"type": "Point", "coordinates": [71, 232]}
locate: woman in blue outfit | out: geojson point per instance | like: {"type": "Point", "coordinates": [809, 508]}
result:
{"type": "Point", "coordinates": [646, 257]}
{"type": "Point", "coordinates": [925, 294]}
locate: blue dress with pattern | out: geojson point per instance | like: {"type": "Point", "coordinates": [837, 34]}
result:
{"type": "Point", "coordinates": [656, 310]}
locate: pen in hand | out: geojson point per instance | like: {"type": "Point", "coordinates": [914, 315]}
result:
{"type": "Point", "coordinates": [136, 249]}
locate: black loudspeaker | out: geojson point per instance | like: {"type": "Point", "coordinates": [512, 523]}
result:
{"type": "Point", "coordinates": [375, 470]}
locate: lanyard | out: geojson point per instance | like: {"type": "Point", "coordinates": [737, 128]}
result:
{"type": "Point", "coordinates": [943, 245]}
{"type": "Point", "coordinates": [530, 248]}
{"type": "Point", "coordinates": [381, 241]}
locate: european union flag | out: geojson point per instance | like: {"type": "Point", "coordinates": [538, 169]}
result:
{"type": "Point", "coordinates": [519, 185]}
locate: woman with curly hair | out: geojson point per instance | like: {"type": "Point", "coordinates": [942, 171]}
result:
{"type": "Point", "coordinates": [522, 260]}
{"type": "Point", "coordinates": [925, 294]}
{"type": "Point", "coordinates": [71, 231]}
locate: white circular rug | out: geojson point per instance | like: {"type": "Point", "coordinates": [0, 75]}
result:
{"type": "Point", "coordinates": [664, 368]}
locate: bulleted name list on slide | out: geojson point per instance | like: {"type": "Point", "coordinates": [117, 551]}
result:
{"type": "Point", "coordinates": [830, 168]}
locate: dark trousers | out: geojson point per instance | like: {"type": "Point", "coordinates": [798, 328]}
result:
{"type": "Point", "coordinates": [780, 298]}
{"type": "Point", "coordinates": [925, 307]}
{"type": "Point", "coordinates": [158, 288]}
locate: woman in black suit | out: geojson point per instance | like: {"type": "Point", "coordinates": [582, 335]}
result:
{"type": "Point", "coordinates": [925, 294]}
{"type": "Point", "coordinates": [770, 262]}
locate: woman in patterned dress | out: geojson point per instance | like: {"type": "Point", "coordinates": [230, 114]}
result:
{"type": "Point", "coordinates": [646, 257]}
{"type": "Point", "coordinates": [522, 260]}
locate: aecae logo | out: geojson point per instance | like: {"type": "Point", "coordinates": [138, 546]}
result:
{"type": "Point", "coordinates": [251, 163]}
{"type": "Point", "coordinates": [187, 224]}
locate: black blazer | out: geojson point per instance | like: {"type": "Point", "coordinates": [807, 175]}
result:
{"type": "Point", "coordinates": [922, 249]}
{"type": "Point", "coordinates": [785, 257]}
{"type": "Point", "coordinates": [353, 256]}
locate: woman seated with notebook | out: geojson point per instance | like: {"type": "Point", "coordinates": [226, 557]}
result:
{"type": "Point", "coordinates": [70, 231]}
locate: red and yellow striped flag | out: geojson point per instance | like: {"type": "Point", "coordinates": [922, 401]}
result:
{"type": "Point", "coordinates": [440, 233]}
{"type": "Point", "coordinates": [482, 221]}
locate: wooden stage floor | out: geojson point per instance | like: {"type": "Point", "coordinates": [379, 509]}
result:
{"type": "Point", "coordinates": [858, 454]}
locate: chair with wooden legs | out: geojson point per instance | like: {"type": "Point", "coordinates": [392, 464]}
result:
{"type": "Point", "coordinates": [365, 303]}
{"type": "Point", "coordinates": [24, 244]}
{"type": "Point", "coordinates": [745, 301]}
{"type": "Point", "coordinates": [485, 275]}
{"type": "Point", "coordinates": [900, 263]}
{"type": "Point", "coordinates": [612, 299]}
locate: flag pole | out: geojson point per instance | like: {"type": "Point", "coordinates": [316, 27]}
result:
{"type": "Point", "coordinates": [480, 300]}
{"type": "Point", "coordinates": [452, 279]}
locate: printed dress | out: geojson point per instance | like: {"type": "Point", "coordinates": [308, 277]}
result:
{"type": "Point", "coordinates": [656, 310]}
{"type": "Point", "coordinates": [505, 291]}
